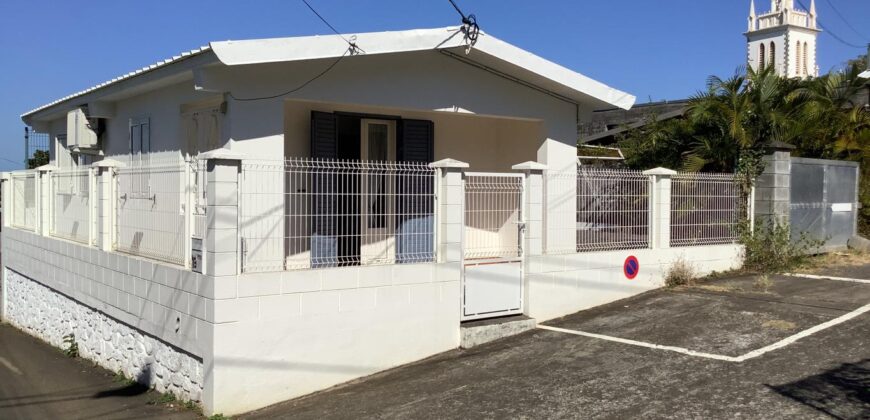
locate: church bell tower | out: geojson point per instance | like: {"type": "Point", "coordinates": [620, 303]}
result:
{"type": "Point", "coordinates": [784, 38]}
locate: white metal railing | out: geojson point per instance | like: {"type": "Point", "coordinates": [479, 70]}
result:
{"type": "Point", "coordinates": [310, 213]}
{"type": "Point", "coordinates": [705, 209]}
{"type": "Point", "coordinates": [23, 204]}
{"type": "Point", "coordinates": [152, 201]}
{"type": "Point", "coordinates": [71, 207]}
{"type": "Point", "coordinates": [613, 209]}
{"type": "Point", "coordinates": [492, 215]}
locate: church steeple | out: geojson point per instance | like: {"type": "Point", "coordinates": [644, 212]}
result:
{"type": "Point", "coordinates": [783, 38]}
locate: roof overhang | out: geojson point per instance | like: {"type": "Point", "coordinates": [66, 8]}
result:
{"type": "Point", "coordinates": [678, 113]}
{"type": "Point", "coordinates": [488, 52]}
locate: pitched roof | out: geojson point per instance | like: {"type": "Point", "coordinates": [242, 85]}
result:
{"type": "Point", "coordinates": [489, 52]}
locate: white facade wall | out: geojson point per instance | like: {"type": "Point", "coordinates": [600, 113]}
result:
{"type": "Point", "coordinates": [560, 285]}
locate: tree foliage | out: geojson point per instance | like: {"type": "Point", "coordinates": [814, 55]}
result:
{"type": "Point", "coordinates": [728, 125]}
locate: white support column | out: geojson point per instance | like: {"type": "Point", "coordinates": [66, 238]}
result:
{"type": "Point", "coordinates": [449, 210]}
{"type": "Point", "coordinates": [44, 199]}
{"type": "Point", "coordinates": [105, 202]}
{"type": "Point", "coordinates": [6, 180]}
{"type": "Point", "coordinates": [660, 217]}
{"type": "Point", "coordinates": [533, 207]}
{"type": "Point", "coordinates": [222, 250]}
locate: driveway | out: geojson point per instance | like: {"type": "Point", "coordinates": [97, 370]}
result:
{"type": "Point", "coordinates": [38, 381]}
{"type": "Point", "coordinates": [663, 354]}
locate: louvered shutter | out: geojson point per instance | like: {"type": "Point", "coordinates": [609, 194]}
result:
{"type": "Point", "coordinates": [324, 145]}
{"type": "Point", "coordinates": [415, 233]}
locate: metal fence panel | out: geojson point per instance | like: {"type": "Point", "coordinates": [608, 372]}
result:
{"type": "Point", "coordinates": [705, 209]}
{"type": "Point", "coordinates": [492, 215]}
{"type": "Point", "coordinates": [824, 201]}
{"type": "Point", "coordinates": [24, 200]}
{"type": "Point", "coordinates": [613, 209]}
{"type": "Point", "coordinates": [309, 213]}
{"type": "Point", "coordinates": [71, 205]}
{"type": "Point", "coordinates": [151, 204]}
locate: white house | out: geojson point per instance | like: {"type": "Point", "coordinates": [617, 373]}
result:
{"type": "Point", "coordinates": [256, 220]}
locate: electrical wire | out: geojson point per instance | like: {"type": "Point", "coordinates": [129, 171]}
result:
{"type": "Point", "coordinates": [832, 33]}
{"type": "Point", "coordinates": [846, 21]}
{"type": "Point", "coordinates": [352, 49]}
{"type": "Point", "coordinates": [296, 89]}
{"type": "Point", "coordinates": [469, 26]}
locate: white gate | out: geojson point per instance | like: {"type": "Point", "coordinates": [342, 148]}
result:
{"type": "Point", "coordinates": [492, 237]}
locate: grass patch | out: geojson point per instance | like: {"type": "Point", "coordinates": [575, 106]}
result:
{"type": "Point", "coordinates": [219, 417]}
{"type": "Point", "coordinates": [716, 288]}
{"type": "Point", "coordinates": [779, 324]}
{"type": "Point", "coordinates": [763, 283]}
{"type": "Point", "coordinates": [769, 248]}
{"type": "Point", "coordinates": [122, 379]}
{"type": "Point", "coordinates": [163, 399]}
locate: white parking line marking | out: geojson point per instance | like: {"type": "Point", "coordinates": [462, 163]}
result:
{"type": "Point", "coordinates": [806, 333]}
{"type": "Point", "coordinates": [752, 354]}
{"type": "Point", "coordinates": [813, 276]}
{"type": "Point", "coordinates": [643, 344]}
{"type": "Point", "coordinates": [10, 366]}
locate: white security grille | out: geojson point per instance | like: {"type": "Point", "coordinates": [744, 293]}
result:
{"type": "Point", "coordinates": [613, 209]}
{"type": "Point", "coordinates": [705, 209]}
{"type": "Point", "coordinates": [492, 215]}
{"type": "Point", "coordinates": [24, 200]}
{"type": "Point", "coordinates": [309, 213]}
{"type": "Point", "coordinates": [71, 205]}
{"type": "Point", "coordinates": [151, 204]}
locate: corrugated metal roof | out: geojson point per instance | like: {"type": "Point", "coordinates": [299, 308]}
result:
{"type": "Point", "coordinates": [157, 65]}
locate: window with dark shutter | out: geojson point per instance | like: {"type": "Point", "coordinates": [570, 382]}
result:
{"type": "Point", "coordinates": [414, 205]}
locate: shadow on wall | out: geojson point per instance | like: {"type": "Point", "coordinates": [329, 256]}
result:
{"type": "Point", "coordinates": [842, 393]}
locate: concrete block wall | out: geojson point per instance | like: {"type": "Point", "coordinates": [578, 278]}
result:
{"type": "Point", "coordinates": [773, 188]}
{"type": "Point", "coordinates": [283, 335]}
{"type": "Point", "coordinates": [164, 302]}
{"type": "Point", "coordinates": [560, 285]}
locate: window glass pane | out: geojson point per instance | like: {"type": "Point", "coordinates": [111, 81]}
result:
{"type": "Point", "coordinates": [135, 139]}
{"type": "Point", "coordinates": [377, 142]}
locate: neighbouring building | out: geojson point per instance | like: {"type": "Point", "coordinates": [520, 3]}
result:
{"type": "Point", "coordinates": [785, 38]}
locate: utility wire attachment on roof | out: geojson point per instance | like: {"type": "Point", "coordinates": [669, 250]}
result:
{"type": "Point", "coordinates": [354, 49]}
{"type": "Point", "coordinates": [469, 28]}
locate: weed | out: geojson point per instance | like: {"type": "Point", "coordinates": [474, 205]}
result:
{"type": "Point", "coordinates": [192, 406]}
{"type": "Point", "coordinates": [72, 346]}
{"type": "Point", "coordinates": [219, 417]}
{"type": "Point", "coordinates": [769, 248]}
{"type": "Point", "coordinates": [763, 283]}
{"type": "Point", "coordinates": [779, 325]}
{"type": "Point", "coordinates": [166, 398]}
{"type": "Point", "coordinates": [680, 273]}
{"type": "Point", "coordinates": [122, 379]}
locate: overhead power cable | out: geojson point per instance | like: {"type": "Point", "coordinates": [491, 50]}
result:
{"type": "Point", "coordinates": [846, 21]}
{"type": "Point", "coordinates": [352, 49]}
{"type": "Point", "coordinates": [832, 33]}
{"type": "Point", "coordinates": [469, 27]}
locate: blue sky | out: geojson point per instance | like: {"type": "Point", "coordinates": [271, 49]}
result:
{"type": "Point", "coordinates": [652, 49]}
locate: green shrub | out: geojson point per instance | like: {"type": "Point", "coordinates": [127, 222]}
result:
{"type": "Point", "coordinates": [770, 249]}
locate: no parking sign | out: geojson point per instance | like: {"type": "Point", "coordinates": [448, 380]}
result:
{"type": "Point", "coordinates": [631, 267]}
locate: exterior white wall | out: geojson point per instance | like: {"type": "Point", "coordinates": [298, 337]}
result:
{"type": "Point", "coordinates": [785, 39]}
{"type": "Point", "coordinates": [560, 285]}
{"type": "Point", "coordinates": [51, 316]}
{"type": "Point", "coordinates": [282, 335]}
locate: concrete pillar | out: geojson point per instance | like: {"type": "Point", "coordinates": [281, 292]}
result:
{"type": "Point", "coordinates": [6, 180]}
{"type": "Point", "coordinates": [660, 204]}
{"type": "Point", "coordinates": [450, 221]}
{"type": "Point", "coordinates": [44, 198]}
{"type": "Point", "coordinates": [533, 207]}
{"type": "Point", "coordinates": [773, 187]}
{"type": "Point", "coordinates": [221, 247]}
{"type": "Point", "coordinates": [105, 197]}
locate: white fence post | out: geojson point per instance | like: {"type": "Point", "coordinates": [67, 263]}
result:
{"type": "Point", "coordinates": [222, 250]}
{"type": "Point", "coordinates": [6, 200]}
{"type": "Point", "coordinates": [105, 206]}
{"type": "Point", "coordinates": [44, 199]}
{"type": "Point", "coordinates": [533, 207]}
{"type": "Point", "coordinates": [449, 210]}
{"type": "Point", "coordinates": [660, 235]}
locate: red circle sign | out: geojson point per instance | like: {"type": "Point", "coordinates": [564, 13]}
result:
{"type": "Point", "coordinates": [631, 267]}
